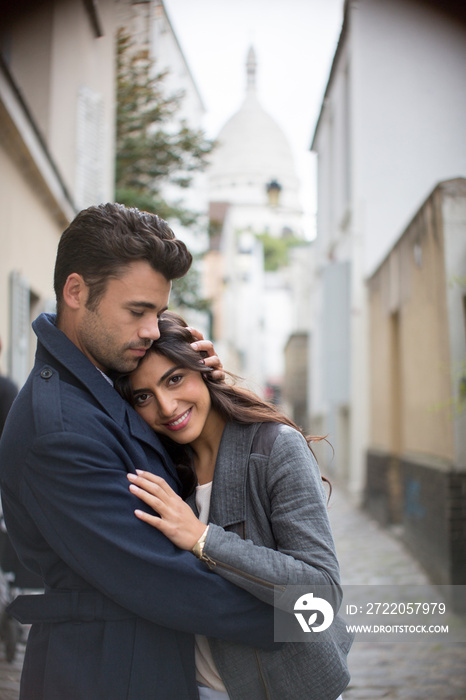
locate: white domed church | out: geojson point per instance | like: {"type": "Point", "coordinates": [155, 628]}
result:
{"type": "Point", "coordinates": [253, 190]}
{"type": "Point", "coordinates": [252, 166]}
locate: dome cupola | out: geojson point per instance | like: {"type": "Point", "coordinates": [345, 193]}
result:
{"type": "Point", "coordinates": [253, 152]}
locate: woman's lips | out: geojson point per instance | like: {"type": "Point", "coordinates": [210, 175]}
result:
{"type": "Point", "coordinates": [180, 421]}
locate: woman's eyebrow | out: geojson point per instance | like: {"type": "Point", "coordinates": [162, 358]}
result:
{"type": "Point", "coordinates": [167, 374]}
{"type": "Point", "coordinates": [162, 379]}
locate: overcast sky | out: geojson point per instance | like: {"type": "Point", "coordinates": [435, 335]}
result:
{"type": "Point", "coordinates": [295, 42]}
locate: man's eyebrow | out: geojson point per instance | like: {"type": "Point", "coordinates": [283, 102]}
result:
{"type": "Point", "coordinates": [142, 304]}
{"type": "Point", "coordinates": [146, 305]}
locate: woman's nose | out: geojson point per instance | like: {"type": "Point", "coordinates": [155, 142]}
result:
{"type": "Point", "coordinates": [167, 406]}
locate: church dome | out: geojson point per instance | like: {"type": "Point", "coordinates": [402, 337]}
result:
{"type": "Point", "coordinates": [252, 153]}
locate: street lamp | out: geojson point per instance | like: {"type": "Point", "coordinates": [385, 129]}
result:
{"type": "Point", "coordinates": [273, 189]}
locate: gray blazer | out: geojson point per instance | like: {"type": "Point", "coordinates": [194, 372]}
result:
{"type": "Point", "coordinates": [269, 528]}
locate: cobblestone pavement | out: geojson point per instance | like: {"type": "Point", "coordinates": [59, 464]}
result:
{"type": "Point", "coordinates": [10, 674]}
{"type": "Point", "coordinates": [372, 555]}
{"type": "Point", "coordinates": [368, 555]}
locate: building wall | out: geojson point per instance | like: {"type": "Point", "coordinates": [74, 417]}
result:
{"type": "Point", "coordinates": [416, 472]}
{"type": "Point", "coordinates": [406, 63]}
{"type": "Point", "coordinates": [384, 140]}
{"type": "Point", "coordinates": [46, 70]}
{"type": "Point", "coordinates": [295, 379]}
{"type": "Point", "coordinates": [56, 149]}
{"type": "Point", "coordinates": [409, 343]}
{"type": "Point", "coordinates": [28, 240]}
{"type": "Point", "coordinates": [454, 212]}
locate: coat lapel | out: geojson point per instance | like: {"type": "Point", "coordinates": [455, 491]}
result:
{"type": "Point", "coordinates": [55, 345]}
{"type": "Point", "coordinates": [228, 502]}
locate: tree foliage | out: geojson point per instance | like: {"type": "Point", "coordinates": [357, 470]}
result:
{"type": "Point", "coordinates": [185, 292]}
{"type": "Point", "coordinates": [152, 147]}
{"type": "Point", "coordinates": [276, 250]}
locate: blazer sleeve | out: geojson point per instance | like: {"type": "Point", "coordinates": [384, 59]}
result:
{"type": "Point", "coordinates": [292, 498]}
{"type": "Point", "coordinates": [75, 490]}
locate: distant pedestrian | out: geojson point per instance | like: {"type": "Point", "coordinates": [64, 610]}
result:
{"type": "Point", "coordinates": [8, 559]}
{"type": "Point", "coordinates": [8, 392]}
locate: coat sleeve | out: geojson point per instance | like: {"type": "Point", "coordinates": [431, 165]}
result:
{"type": "Point", "coordinates": [75, 490]}
{"type": "Point", "coordinates": [291, 496]}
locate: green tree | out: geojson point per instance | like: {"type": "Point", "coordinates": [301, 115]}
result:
{"type": "Point", "coordinates": [152, 148]}
{"type": "Point", "coordinates": [276, 249]}
{"type": "Point", "coordinates": [185, 292]}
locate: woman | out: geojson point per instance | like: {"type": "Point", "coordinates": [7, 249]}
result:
{"type": "Point", "coordinates": [250, 473]}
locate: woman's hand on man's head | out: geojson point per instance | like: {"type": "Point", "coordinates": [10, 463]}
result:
{"type": "Point", "coordinates": [210, 358]}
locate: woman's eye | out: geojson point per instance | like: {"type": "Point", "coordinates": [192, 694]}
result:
{"type": "Point", "coordinates": [175, 379]}
{"type": "Point", "coordinates": [141, 399]}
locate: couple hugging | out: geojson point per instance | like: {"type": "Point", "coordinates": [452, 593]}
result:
{"type": "Point", "coordinates": [161, 505]}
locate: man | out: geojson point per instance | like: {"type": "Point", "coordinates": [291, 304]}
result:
{"type": "Point", "coordinates": [121, 602]}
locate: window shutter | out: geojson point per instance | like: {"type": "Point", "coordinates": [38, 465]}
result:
{"type": "Point", "coordinates": [90, 152]}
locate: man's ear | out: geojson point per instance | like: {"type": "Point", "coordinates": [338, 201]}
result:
{"type": "Point", "coordinates": [75, 291]}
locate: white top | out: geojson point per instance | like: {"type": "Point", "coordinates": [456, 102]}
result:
{"type": "Point", "coordinates": [206, 671]}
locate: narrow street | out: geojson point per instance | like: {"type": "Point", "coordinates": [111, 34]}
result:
{"type": "Point", "coordinates": [10, 674]}
{"type": "Point", "coordinates": [368, 555]}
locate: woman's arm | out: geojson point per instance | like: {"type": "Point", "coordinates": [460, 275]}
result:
{"type": "Point", "coordinates": [305, 553]}
{"type": "Point", "coordinates": [289, 484]}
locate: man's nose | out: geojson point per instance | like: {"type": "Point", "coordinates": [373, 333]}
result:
{"type": "Point", "coordinates": [149, 330]}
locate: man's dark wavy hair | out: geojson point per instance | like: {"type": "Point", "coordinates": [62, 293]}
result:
{"type": "Point", "coordinates": [103, 240]}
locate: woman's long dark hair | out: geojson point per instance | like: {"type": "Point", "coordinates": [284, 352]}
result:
{"type": "Point", "coordinates": [231, 402]}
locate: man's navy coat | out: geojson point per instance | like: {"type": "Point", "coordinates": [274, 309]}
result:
{"type": "Point", "coordinates": [122, 601]}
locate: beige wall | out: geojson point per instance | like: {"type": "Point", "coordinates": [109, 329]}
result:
{"type": "Point", "coordinates": [28, 241]}
{"type": "Point", "coordinates": [54, 52]}
{"type": "Point", "coordinates": [50, 52]}
{"type": "Point", "coordinates": [409, 347]}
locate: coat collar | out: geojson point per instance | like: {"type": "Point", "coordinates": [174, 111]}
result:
{"type": "Point", "coordinates": [59, 348]}
{"type": "Point", "coordinates": [228, 501]}
{"type": "Point", "coordinates": [55, 347]}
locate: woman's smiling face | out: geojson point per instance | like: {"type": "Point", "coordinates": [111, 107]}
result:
{"type": "Point", "coordinates": [173, 400]}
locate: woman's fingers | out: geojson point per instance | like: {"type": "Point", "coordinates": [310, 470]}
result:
{"type": "Point", "coordinates": [195, 333]}
{"type": "Point", "coordinates": [154, 502]}
{"type": "Point", "coordinates": [151, 519]}
{"type": "Point", "coordinates": [211, 359]}
{"type": "Point", "coordinates": [151, 483]}
{"type": "Point", "coordinates": [176, 521]}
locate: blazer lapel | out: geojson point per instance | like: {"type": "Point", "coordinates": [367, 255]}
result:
{"type": "Point", "coordinates": [228, 501]}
